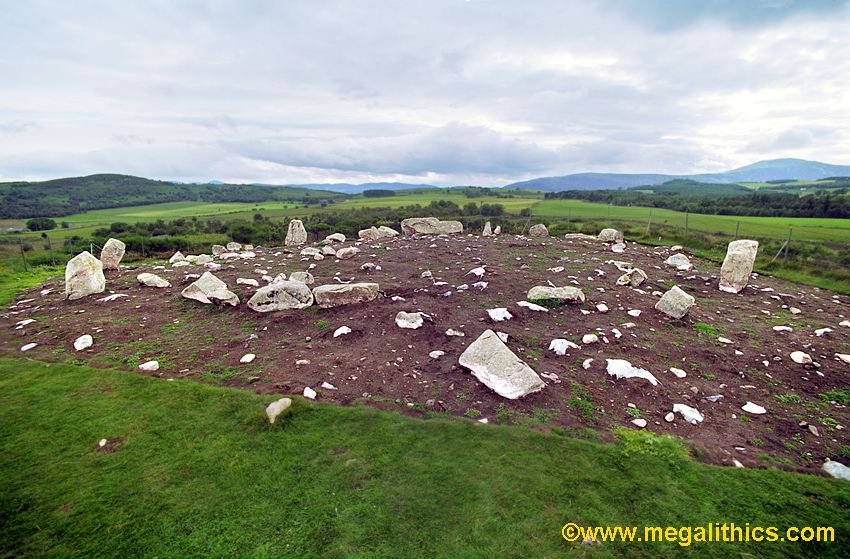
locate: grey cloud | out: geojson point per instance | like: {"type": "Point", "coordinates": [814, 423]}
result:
{"type": "Point", "coordinates": [444, 91]}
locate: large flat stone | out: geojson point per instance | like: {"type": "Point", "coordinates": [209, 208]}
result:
{"type": "Point", "coordinates": [498, 368]}
{"type": "Point", "coordinates": [327, 296]}
{"type": "Point", "coordinates": [430, 226]}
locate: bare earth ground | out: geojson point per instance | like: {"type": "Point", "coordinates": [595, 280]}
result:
{"type": "Point", "coordinates": [382, 365]}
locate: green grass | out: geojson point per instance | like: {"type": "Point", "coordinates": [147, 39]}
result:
{"type": "Point", "coordinates": [804, 228]}
{"type": "Point", "coordinates": [12, 282]}
{"type": "Point", "coordinates": [200, 472]}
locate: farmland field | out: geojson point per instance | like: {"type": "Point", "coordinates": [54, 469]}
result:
{"type": "Point", "coordinates": [804, 228]}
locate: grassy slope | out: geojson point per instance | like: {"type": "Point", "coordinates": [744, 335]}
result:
{"type": "Point", "coordinates": [14, 281]}
{"type": "Point", "coordinates": [201, 472]}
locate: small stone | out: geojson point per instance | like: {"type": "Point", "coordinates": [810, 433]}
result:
{"type": "Point", "coordinates": [29, 346]}
{"type": "Point", "coordinates": [247, 358]}
{"type": "Point", "coordinates": [149, 366]}
{"type": "Point", "coordinates": [678, 372]}
{"type": "Point", "coordinates": [276, 408]}
{"type": "Point", "coordinates": [669, 417]}
{"type": "Point", "coordinates": [801, 357]}
{"type": "Point", "coordinates": [83, 342]}
{"type": "Point", "coordinates": [309, 393]}
{"type": "Point", "coordinates": [754, 409]}
{"type": "Point", "coordinates": [342, 330]}
{"type": "Point", "coordinates": [640, 422]}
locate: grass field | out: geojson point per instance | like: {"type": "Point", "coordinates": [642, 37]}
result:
{"type": "Point", "coordinates": [198, 471]}
{"type": "Point", "coordinates": [808, 229]}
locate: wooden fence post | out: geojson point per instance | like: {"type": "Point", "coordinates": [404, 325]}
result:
{"type": "Point", "coordinates": [787, 243]}
{"type": "Point", "coordinates": [23, 256]}
{"type": "Point", "coordinates": [737, 228]}
{"type": "Point", "coordinates": [50, 248]}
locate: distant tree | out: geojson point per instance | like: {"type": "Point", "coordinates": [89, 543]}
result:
{"type": "Point", "coordinates": [378, 193]}
{"type": "Point", "coordinates": [41, 224]}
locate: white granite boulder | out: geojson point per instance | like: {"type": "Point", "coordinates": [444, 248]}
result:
{"type": "Point", "coordinates": [152, 280]}
{"type": "Point", "coordinates": [610, 236]}
{"type": "Point", "coordinates": [84, 276]}
{"type": "Point", "coordinates": [295, 233]}
{"type": "Point", "coordinates": [112, 253]}
{"type": "Point", "coordinates": [567, 294]}
{"type": "Point", "coordinates": [738, 265]}
{"type": "Point", "coordinates": [538, 230]}
{"type": "Point", "coordinates": [430, 226]}
{"type": "Point", "coordinates": [675, 303]}
{"type": "Point", "coordinates": [208, 289]}
{"type": "Point", "coordinates": [327, 296]}
{"type": "Point", "coordinates": [680, 262]}
{"type": "Point", "coordinates": [280, 296]}
{"type": "Point", "coordinates": [498, 368]}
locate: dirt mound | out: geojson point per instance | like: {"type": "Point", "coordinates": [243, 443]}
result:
{"type": "Point", "coordinates": [383, 365]}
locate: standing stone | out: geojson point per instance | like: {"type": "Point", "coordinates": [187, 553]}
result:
{"type": "Point", "coordinates": [335, 238]}
{"type": "Point", "coordinates": [738, 265]}
{"type": "Point", "coordinates": [327, 296]}
{"type": "Point", "coordinates": [234, 246]}
{"type": "Point", "coordinates": [281, 296]}
{"type": "Point", "coordinates": [487, 230]}
{"type": "Point", "coordinates": [177, 257]}
{"type": "Point", "coordinates": [84, 276]}
{"type": "Point", "coordinates": [387, 231]}
{"type": "Point", "coordinates": [675, 303]}
{"type": "Point", "coordinates": [538, 230]}
{"type": "Point", "coordinates": [498, 368]}
{"type": "Point", "coordinates": [209, 289]}
{"type": "Point", "coordinates": [295, 234]}
{"type": "Point", "coordinates": [218, 250]}
{"type": "Point", "coordinates": [610, 236]}
{"type": "Point", "coordinates": [112, 253]}
{"type": "Point", "coordinates": [497, 230]}
{"type": "Point", "coordinates": [430, 226]}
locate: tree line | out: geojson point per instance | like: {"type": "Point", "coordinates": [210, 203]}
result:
{"type": "Point", "coordinates": [834, 204]}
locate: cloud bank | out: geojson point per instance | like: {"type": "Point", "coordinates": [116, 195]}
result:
{"type": "Point", "coordinates": [448, 92]}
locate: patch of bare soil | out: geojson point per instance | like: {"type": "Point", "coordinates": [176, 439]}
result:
{"type": "Point", "coordinates": [383, 365]}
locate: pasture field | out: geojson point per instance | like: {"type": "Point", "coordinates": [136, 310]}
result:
{"type": "Point", "coordinates": [196, 470]}
{"type": "Point", "coordinates": [808, 229]}
{"type": "Point", "coordinates": [804, 228]}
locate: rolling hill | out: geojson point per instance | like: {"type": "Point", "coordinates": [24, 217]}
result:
{"type": "Point", "coordinates": [61, 197]}
{"type": "Point", "coordinates": [772, 169]}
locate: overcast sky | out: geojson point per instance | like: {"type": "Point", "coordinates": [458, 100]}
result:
{"type": "Point", "coordinates": [438, 91]}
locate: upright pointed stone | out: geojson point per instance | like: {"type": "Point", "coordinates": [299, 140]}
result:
{"type": "Point", "coordinates": [84, 276]}
{"type": "Point", "coordinates": [295, 234]}
{"type": "Point", "coordinates": [738, 265]}
{"type": "Point", "coordinates": [112, 253]}
{"type": "Point", "coordinates": [487, 232]}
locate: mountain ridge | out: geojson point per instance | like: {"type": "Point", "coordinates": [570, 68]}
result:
{"type": "Point", "coordinates": [760, 171]}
